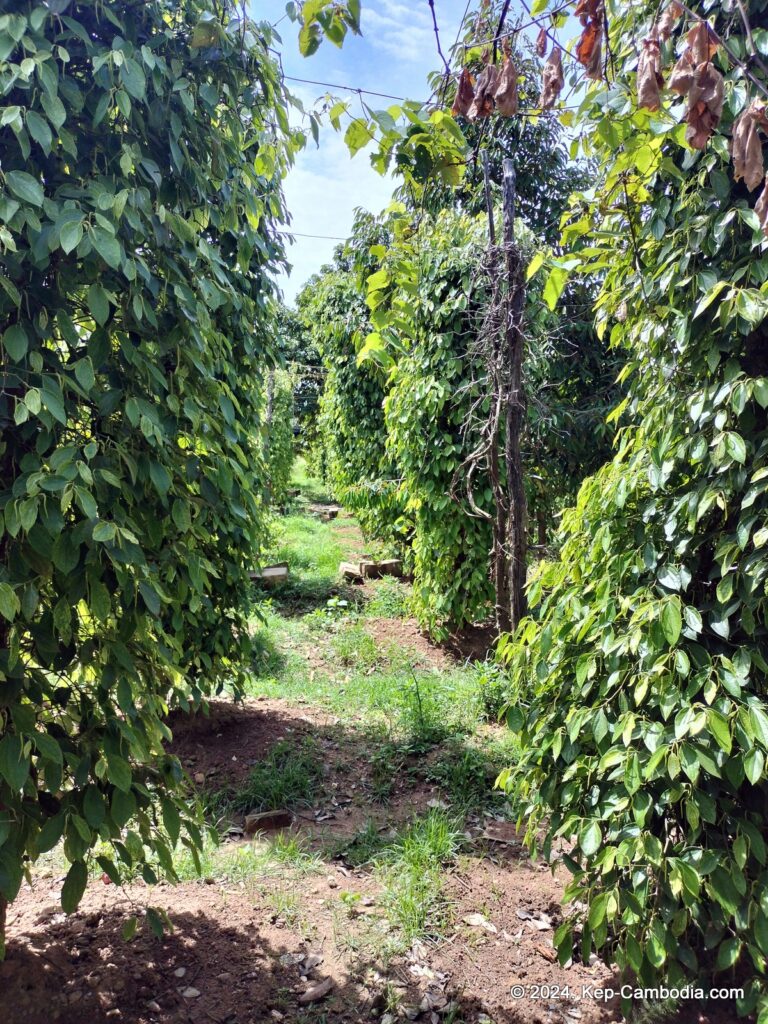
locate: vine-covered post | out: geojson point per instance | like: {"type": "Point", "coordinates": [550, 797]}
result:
{"type": "Point", "coordinates": [514, 404]}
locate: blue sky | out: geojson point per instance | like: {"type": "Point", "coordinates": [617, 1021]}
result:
{"type": "Point", "coordinates": [394, 55]}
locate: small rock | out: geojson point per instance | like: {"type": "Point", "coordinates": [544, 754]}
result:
{"type": "Point", "coordinates": [199, 778]}
{"type": "Point", "coordinates": [547, 952]}
{"type": "Point", "coordinates": [332, 883]}
{"type": "Point", "coordinates": [388, 1018]}
{"type": "Point", "coordinates": [317, 992]}
{"type": "Point", "coordinates": [191, 993]}
{"type": "Point", "coordinates": [267, 821]}
{"type": "Point", "coordinates": [312, 961]}
{"type": "Point", "coordinates": [478, 921]}
{"type": "Point", "coordinates": [180, 972]}
{"type": "Point", "coordinates": [154, 1007]}
{"type": "Point", "coordinates": [291, 959]}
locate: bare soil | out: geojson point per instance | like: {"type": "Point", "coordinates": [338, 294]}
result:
{"type": "Point", "coordinates": [231, 946]}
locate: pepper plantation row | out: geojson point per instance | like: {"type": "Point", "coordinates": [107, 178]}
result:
{"type": "Point", "coordinates": [152, 384]}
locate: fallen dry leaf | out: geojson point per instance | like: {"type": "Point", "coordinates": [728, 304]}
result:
{"type": "Point", "coordinates": [505, 96]}
{"type": "Point", "coordinates": [478, 921]}
{"type": "Point", "coordinates": [747, 147]}
{"type": "Point", "coordinates": [317, 992]}
{"type": "Point", "coordinates": [547, 952]}
{"type": "Point", "coordinates": [541, 43]}
{"type": "Point", "coordinates": [552, 79]}
{"type": "Point", "coordinates": [483, 103]}
{"type": "Point", "coordinates": [464, 94]}
{"type": "Point", "coordinates": [649, 77]}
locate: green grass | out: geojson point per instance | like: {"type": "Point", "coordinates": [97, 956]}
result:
{"type": "Point", "coordinates": [243, 862]}
{"type": "Point", "coordinates": [466, 773]}
{"type": "Point", "coordinates": [353, 646]}
{"type": "Point", "coordinates": [391, 599]}
{"type": "Point", "coordinates": [287, 777]}
{"type": "Point", "coordinates": [412, 874]}
{"type": "Point", "coordinates": [309, 486]}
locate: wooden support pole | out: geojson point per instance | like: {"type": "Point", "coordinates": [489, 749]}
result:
{"type": "Point", "coordinates": [514, 404]}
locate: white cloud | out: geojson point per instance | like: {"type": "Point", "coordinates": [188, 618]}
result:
{"type": "Point", "coordinates": [400, 30]}
{"type": "Point", "coordinates": [322, 192]}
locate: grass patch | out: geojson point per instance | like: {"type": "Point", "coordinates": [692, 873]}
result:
{"type": "Point", "coordinates": [309, 486]}
{"type": "Point", "coordinates": [353, 646]}
{"type": "Point", "coordinates": [466, 774]}
{"type": "Point", "coordinates": [246, 862]}
{"type": "Point", "coordinates": [391, 599]}
{"type": "Point", "coordinates": [411, 872]}
{"type": "Point", "coordinates": [287, 777]}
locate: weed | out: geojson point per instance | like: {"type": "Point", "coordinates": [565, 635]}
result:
{"type": "Point", "coordinates": [287, 777]}
{"type": "Point", "coordinates": [294, 852]}
{"type": "Point", "coordinates": [411, 871]}
{"type": "Point", "coordinates": [466, 774]}
{"type": "Point", "coordinates": [493, 688]}
{"type": "Point", "coordinates": [364, 846]}
{"type": "Point", "coordinates": [285, 906]}
{"type": "Point", "coordinates": [391, 599]}
{"type": "Point", "coordinates": [354, 647]}
{"type": "Point", "coordinates": [387, 763]}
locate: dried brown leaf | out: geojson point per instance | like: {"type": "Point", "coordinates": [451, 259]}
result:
{"type": "Point", "coordinates": [542, 43]}
{"type": "Point", "coordinates": [588, 10]}
{"type": "Point", "coordinates": [746, 146]}
{"type": "Point", "coordinates": [483, 103]}
{"type": "Point", "coordinates": [589, 49]}
{"type": "Point", "coordinates": [761, 208]}
{"type": "Point", "coordinates": [552, 79]}
{"type": "Point", "coordinates": [702, 42]}
{"type": "Point", "coordinates": [705, 105]}
{"type": "Point", "coordinates": [464, 94]}
{"type": "Point", "coordinates": [681, 79]}
{"type": "Point", "coordinates": [668, 20]}
{"type": "Point", "coordinates": [649, 77]}
{"type": "Point", "coordinates": [506, 90]}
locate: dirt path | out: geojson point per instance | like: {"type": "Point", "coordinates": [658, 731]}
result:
{"type": "Point", "coordinates": [352, 914]}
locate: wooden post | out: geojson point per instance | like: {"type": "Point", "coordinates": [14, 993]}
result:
{"type": "Point", "coordinates": [514, 403]}
{"type": "Point", "coordinates": [499, 558]}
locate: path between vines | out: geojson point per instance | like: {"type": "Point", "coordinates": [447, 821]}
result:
{"type": "Point", "coordinates": [401, 887]}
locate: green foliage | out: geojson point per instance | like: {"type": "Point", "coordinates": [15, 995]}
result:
{"type": "Point", "coordinates": [142, 148]}
{"type": "Point", "coordinates": [321, 19]}
{"type": "Point", "coordinates": [639, 687]}
{"type": "Point", "coordinates": [299, 355]}
{"type": "Point", "coordinates": [351, 423]}
{"type": "Point", "coordinates": [277, 435]}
